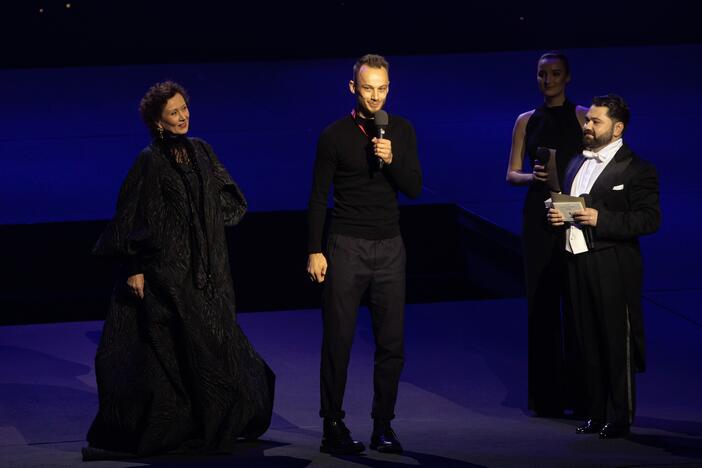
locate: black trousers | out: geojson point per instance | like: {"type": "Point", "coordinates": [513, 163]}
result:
{"type": "Point", "coordinates": [357, 267]}
{"type": "Point", "coordinates": [604, 335]}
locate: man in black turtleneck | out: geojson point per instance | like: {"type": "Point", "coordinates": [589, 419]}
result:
{"type": "Point", "coordinates": [365, 255]}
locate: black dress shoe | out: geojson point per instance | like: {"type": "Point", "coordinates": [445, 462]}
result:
{"type": "Point", "coordinates": [591, 426]}
{"type": "Point", "coordinates": [614, 431]}
{"type": "Point", "coordinates": [384, 439]}
{"type": "Point", "coordinates": [337, 439]}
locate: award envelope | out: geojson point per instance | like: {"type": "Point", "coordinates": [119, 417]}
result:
{"type": "Point", "coordinates": [567, 204]}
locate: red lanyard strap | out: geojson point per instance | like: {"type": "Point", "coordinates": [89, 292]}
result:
{"type": "Point", "coordinates": [360, 127]}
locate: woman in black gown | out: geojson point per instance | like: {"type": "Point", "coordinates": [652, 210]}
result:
{"type": "Point", "coordinates": [175, 373]}
{"type": "Point", "coordinates": [555, 128]}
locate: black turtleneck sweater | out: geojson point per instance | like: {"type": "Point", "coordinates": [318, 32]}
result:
{"type": "Point", "coordinates": [365, 195]}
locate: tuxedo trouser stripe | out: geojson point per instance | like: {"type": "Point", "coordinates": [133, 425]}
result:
{"type": "Point", "coordinates": [628, 368]}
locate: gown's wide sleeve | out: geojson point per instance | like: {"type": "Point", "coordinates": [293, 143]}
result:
{"type": "Point", "coordinates": [233, 202]}
{"type": "Point", "coordinates": [132, 235]}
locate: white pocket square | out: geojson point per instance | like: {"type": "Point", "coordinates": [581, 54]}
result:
{"type": "Point", "coordinates": [618, 187]}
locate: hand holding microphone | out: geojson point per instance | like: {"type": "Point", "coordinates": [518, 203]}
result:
{"type": "Point", "coordinates": [543, 156]}
{"type": "Point", "coordinates": [382, 147]}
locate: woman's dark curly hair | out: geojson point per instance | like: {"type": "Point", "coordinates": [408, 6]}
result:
{"type": "Point", "coordinates": [155, 99]}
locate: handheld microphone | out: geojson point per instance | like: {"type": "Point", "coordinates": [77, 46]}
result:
{"type": "Point", "coordinates": [381, 123]}
{"type": "Point", "coordinates": [543, 156]}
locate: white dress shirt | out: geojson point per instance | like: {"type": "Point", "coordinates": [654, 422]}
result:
{"type": "Point", "coordinates": [588, 173]}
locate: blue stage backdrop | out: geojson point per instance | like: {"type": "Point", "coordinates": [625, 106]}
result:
{"type": "Point", "coordinates": [68, 136]}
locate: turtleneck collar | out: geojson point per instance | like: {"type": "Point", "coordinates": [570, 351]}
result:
{"type": "Point", "coordinates": [170, 137]}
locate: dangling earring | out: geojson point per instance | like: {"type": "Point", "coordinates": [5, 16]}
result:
{"type": "Point", "coordinates": [160, 132]}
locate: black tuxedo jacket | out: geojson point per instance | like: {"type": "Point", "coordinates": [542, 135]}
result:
{"type": "Point", "coordinates": [626, 197]}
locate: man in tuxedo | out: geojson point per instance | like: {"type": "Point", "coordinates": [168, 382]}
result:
{"type": "Point", "coordinates": [604, 262]}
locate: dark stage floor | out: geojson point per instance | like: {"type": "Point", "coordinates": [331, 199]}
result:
{"type": "Point", "coordinates": [462, 396]}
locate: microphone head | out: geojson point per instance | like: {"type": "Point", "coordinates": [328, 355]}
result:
{"type": "Point", "coordinates": [381, 119]}
{"type": "Point", "coordinates": [543, 155]}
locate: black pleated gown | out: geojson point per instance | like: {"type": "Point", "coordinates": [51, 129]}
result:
{"type": "Point", "coordinates": [175, 372]}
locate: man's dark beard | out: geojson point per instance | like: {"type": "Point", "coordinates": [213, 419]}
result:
{"type": "Point", "coordinates": [598, 141]}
